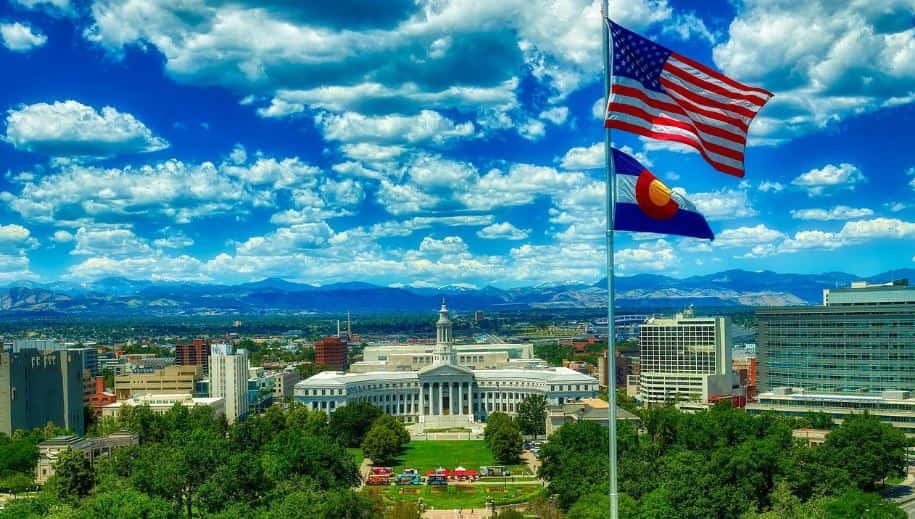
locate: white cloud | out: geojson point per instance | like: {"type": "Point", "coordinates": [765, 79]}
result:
{"type": "Point", "coordinates": [155, 268]}
{"type": "Point", "coordinates": [852, 233]}
{"type": "Point", "coordinates": [556, 115]}
{"type": "Point", "coordinates": [426, 127]}
{"type": "Point", "coordinates": [15, 267]}
{"type": "Point", "coordinates": [829, 178]}
{"type": "Point", "coordinates": [173, 240]}
{"type": "Point", "coordinates": [21, 38]}
{"type": "Point", "coordinates": [503, 230]}
{"type": "Point", "coordinates": [270, 171]}
{"type": "Point", "coordinates": [532, 130]}
{"type": "Point", "coordinates": [647, 257]}
{"type": "Point", "coordinates": [840, 212]}
{"type": "Point", "coordinates": [723, 204]}
{"type": "Point", "coordinates": [109, 241]}
{"type": "Point", "coordinates": [747, 236]}
{"type": "Point", "coordinates": [774, 187]}
{"type": "Point", "coordinates": [62, 237]}
{"type": "Point", "coordinates": [70, 128]}
{"type": "Point", "coordinates": [584, 157]}
{"type": "Point", "coordinates": [16, 238]}
{"type": "Point", "coordinates": [856, 58]}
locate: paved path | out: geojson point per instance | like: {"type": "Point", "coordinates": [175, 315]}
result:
{"type": "Point", "coordinates": [903, 494]}
{"type": "Point", "coordinates": [474, 513]}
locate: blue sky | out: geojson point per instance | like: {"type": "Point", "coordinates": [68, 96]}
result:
{"type": "Point", "coordinates": [430, 143]}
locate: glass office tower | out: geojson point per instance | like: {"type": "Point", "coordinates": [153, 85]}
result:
{"type": "Point", "coordinates": [861, 340]}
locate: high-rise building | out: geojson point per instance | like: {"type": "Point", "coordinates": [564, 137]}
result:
{"type": "Point", "coordinates": [36, 344]}
{"type": "Point", "coordinates": [197, 353]}
{"type": "Point", "coordinates": [229, 379]}
{"type": "Point", "coordinates": [861, 339]}
{"type": "Point", "coordinates": [333, 353]}
{"type": "Point", "coordinates": [854, 354]}
{"type": "Point", "coordinates": [684, 359]}
{"type": "Point", "coordinates": [41, 386]}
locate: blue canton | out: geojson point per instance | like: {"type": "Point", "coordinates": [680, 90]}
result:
{"type": "Point", "coordinates": [637, 58]}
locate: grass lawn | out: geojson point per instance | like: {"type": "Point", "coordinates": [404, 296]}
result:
{"type": "Point", "coordinates": [457, 496]}
{"type": "Point", "coordinates": [356, 453]}
{"type": "Point", "coordinates": [432, 454]}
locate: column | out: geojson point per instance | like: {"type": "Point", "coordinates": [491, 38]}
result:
{"type": "Point", "coordinates": [422, 399]}
{"type": "Point", "coordinates": [460, 398]}
{"type": "Point", "coordinates": [441, 401]}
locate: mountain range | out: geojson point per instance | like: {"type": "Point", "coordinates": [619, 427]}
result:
{"type": "Point", "coordinates": [122, 296]}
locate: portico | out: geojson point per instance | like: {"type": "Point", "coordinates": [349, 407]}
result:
{"type": "Point", "coordinates": [446, 391]}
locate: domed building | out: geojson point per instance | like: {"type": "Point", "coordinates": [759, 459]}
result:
{"type": "Point", "coordinates": [444, 394]}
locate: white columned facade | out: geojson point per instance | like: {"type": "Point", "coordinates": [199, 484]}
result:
{"type": "Point", "coordinates": [460, 398]}
{"type": "Point", "coordinates": [441, 401]}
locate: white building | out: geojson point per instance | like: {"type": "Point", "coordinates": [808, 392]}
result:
{"type": "Point", "coordinates": [414, 357]}
{"type": "Point", "coordinates": [684, 359]}
{"type": "Point", "coordinates": [161, 403]}
{"type": "Point", "coordinates": [444, 393]}
{"type": "Point", "coordinates": [229, 379]}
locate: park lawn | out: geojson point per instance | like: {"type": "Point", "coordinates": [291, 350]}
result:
{"type": "Point", "coordinates": [458, 496]}
{"type": "Point", "coordinates": [428, 455]}
{"type": "Point", "coordinates": [356, 453]}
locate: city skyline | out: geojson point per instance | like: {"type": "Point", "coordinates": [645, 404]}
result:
{"type": "Point", "coordinates": [430, 145]}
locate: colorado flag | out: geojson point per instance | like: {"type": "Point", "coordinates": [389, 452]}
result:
{"type": "Point", "coordinates": [645, 204]}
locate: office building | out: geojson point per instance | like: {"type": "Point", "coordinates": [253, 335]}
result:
{"type": "Point", "coordinates": [260, 389]}
{"type": "Point", "coordinates": [855, 353]}
{"type": "Point", "coordinates": [414, 357]}
{"type": "Point", "coordinates": [93, 448]}
{"type": "Point", "coordinates": [333, 353]}
{"type": "Point", "coordinates": [684, 359]}
{"type": "Point", "coordinates": [195, 353]}
{"type": "Point", "coordinates": [283, 384]}
{"type": "Point", "coordinates": [36, 344]}
{"type": "Point", "coordinates": [41, 386]}
{"type": "Point", "coordinates": [229, 379]}
{"type": "Point", "coordinates": [862, 339]}
{"type": "Point", "coordinates": [170, 379]}
{"type": "Point", "coordinates": [444, 393]}
{"type": "Point", "coordinates": [162, 403]}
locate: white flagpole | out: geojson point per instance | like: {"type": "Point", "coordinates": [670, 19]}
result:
{"type": "Point", "coordinates": [611, 322]}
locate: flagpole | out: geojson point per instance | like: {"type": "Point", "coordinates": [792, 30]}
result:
{"type": "Point", "coordinates": [611, 322]}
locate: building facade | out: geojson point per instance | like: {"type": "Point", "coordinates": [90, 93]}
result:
{"type": "Point", "coordinates": [684, 359]}
{"type": "Point", "coordinates": [41, 386]}
{"type": "Point", "coordinates": [170, 379]}
{"type": "Point", "coordinates": [161, 403]}
{"type": "Point", "coordinates": [444, 392]}
{"type": "Point", "coordinates": [854, 354]}
{"type": "Point", "coordinates": [332, 352]}
{"type": "Point", "coordinates": [229, 379]}
{"type": "Point", "coordinates": [862, 339]}
{"type": "Point", "coordinates": [195, 353]}
{"type": "Point", "coordinates": [92, 448]}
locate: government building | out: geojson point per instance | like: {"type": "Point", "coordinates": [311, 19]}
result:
{"type": "Point", "coordinates": [445, 392]}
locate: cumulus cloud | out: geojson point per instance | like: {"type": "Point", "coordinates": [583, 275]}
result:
{"type": "Point", "coordinates": [503, 230]}
{"type": "Point", "coordinates": [839, 212]}
{"type": "Point", "coordinates": [18, 37]}
{"type": "Point", "coordinates": [426, 127]}
{"type": "Point", "coordinates": [856, 58]}
{"type": "Point", "coordinates": [771, 187]}
{"type": "Point", "coordinates": [851, 233]}
{"type": "Point", "coordinates": [648, 256]}
{"type": "Point", "coordinates": [747, 236]}
{"type": "Point", "coordinates": [829, 178]}
{"type": "Point", "coordinates": [14, 238]}
{"type": "Point", "coordinates": [62, 237]}
{"type": "Point", "coordinates": [723, 204]}
{"type": "Point", "coordinates": [70, 128]}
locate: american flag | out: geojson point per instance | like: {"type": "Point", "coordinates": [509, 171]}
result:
{"type": "Point", "coordinates": [660, 94]}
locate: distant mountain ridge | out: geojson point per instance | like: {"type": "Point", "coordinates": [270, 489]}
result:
{"type": "Point", "coordinates": [123, 296]}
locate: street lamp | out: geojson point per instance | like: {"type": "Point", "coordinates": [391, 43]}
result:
{"type": "Point", "coordinates": [491, 504]}
{"type": "Point", "coordinates": [421, 506]}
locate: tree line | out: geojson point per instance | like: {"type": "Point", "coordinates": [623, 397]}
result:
{"type": "Point", "coordinates": [725, 463]}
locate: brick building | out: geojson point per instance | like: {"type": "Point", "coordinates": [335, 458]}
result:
{"type": "Point", "coordinates": [197, 353]}
{"type": "Point", "coordinates": [332, 352]}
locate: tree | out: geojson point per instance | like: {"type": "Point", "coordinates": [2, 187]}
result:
{"type": "Point", "coordinates": [125, 503]}
{"type": "Point", "coordinates": [73, 475]}
{"type": "Point", "coordinates": [568, 461]}
{"type": "Point", "coordinates": [819, 420]}
{"type": "Point", "coordinates": [381, 445]}
{"type": "Point", "coordinates": [350, 422]}
{"type": "Point", "coordinates": [394, 425]}
{"type": "Point", "coordinates": [867, 449]}
{"type": "Point", "coordinates": [531, 416]}
{"type": "Point", "coordinates": [504, 438]}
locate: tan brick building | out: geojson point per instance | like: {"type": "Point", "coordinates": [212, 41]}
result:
{"type": "Point", "coordinates": [170, 379]}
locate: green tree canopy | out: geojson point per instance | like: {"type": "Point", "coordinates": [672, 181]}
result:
{"type": "Point", "coordinates": [351, 422]}
{"type": "Point", "coordinates": [531, 415]}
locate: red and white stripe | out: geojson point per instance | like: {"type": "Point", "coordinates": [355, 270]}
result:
{"type": "Point", "coordinates": [700, 108]}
